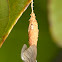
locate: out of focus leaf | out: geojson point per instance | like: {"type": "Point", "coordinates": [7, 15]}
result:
{"type": "Point", "coordinates": [55, 17]}
{"type": "Point", "coordinates": [10, 12]}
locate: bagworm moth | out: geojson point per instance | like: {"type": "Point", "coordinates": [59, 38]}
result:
{"type": "Point", "coordinates": [29, 54]}
{"type": "Point", "coordinates": [33, 30]}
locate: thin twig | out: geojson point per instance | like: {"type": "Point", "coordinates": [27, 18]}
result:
{"type": "Point", "coordinates": [32, 6]}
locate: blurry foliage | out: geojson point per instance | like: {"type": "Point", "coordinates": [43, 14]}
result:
{"type": "Point", "coordinates": [10, 12]}
{"type": "Point", "coordinates": [55, 19]}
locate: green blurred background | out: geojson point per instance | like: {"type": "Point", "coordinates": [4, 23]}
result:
{"type": "Point", "coordinates": [48, 51]}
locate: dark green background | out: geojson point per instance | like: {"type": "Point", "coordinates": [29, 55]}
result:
{"type": "Point", "coordinates": [47, 49]}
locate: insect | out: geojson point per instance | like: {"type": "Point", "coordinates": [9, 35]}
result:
{"type": "Point", "coordinates": [29, 54]}
{"type": "Point", "coordinates": [33, 30]}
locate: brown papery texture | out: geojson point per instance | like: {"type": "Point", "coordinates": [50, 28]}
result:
{"type": "Point", "coordinates": [33, 30]}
